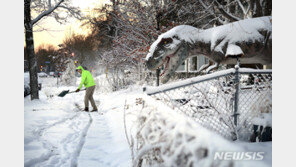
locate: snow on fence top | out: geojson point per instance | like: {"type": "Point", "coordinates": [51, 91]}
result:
{"type": "Point", "coordinates": [170, 86]}
{"type": "Point", "coordinates": [154, 90]}
{"type": "Point", "coordinates": [250, 70]}
{"type": "Point", "coordinates": [244, 30]}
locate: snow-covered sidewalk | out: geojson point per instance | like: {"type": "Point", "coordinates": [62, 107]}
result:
{"type": "Point", "coordinates": [57, 133]}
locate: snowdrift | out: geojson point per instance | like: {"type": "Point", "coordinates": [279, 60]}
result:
{"type": "Point", "coordinates": [167, 138]}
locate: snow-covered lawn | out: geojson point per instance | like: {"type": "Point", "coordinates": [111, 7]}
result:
{"type": "Point", "coordinates": [58, 134]}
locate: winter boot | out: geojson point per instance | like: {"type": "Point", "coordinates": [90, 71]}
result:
{"type": "Point", "coordinates": [94, 110]}
{"type": "Point", "coordinates": [85, 109]}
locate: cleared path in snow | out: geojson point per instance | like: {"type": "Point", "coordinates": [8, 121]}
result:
{"type": "Point", "coordinates": [100, 147]}
{"type": "Point", "coordinates": [81, 142]}
{"type": "Point", "coordinates": [96, 150]}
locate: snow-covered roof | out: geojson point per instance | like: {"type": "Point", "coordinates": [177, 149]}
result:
{"type": "Point", "coordinates": [244, 30]}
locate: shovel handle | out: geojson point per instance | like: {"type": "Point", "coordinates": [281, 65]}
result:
{"type": "Point", "coordinates": [75, 91]}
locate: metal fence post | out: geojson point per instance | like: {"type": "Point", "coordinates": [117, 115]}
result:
{"type": "Point", "coordinates": [236, 98]}
{"type": "Point", "coordinates": [57, 81]}
{"type": "Point", "coordinates": [157, 76]}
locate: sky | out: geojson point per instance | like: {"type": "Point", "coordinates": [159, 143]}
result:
{"type": "Point", "coordinates": [55, 32]}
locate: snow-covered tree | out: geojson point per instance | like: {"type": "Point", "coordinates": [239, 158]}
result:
{"type": "Point", "coordinates": [82, 47]}
{"type": "Point", "coordinates": [68, 78]}
{"type": "Point", "coordinates": [220, 12]}
{"type": "Point", "coordinates": [60, 10]}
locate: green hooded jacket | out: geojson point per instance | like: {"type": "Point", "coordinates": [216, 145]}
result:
{"type": "Point", "coordinates": [86, 79]}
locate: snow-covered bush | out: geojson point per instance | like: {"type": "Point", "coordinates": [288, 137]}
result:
{"type": "Point", "coordinates": [68, 78]}
{"type": "Point", "coordinates": [102, 85]}
{"type": "Point", "coordinates": [167, 138]}
{"type": "Point", "coordinates": [266, 103]}
{"type": "Point", "coordinates": [263, 111]}
{"type": "Point", "coordinates": [117, 79]}
{"type": "Point", "coordinates": [120, 70]}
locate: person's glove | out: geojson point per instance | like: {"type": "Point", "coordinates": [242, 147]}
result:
{"type": "Point", "coordinates": [77, 90]}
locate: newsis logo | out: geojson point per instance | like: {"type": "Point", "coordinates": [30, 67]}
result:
{"type": "Point", "coordinates": [227, 155]}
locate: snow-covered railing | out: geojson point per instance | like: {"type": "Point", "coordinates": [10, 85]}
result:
{"type": "Point", "coordinates": [190, 81]}
{"type": "Point", "coordinates": [225, 101]}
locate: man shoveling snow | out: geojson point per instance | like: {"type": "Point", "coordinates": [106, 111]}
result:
{"type": "Point", "coordinates": [88, 81]}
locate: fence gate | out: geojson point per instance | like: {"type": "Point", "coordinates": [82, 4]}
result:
{"type": "Point", "coordinates": [225, 101]}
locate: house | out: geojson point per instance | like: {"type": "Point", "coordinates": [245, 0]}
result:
{"type": "Point", "coordinates": [190, 66]}
{"type": "Point", "coordinates": [193, 64]}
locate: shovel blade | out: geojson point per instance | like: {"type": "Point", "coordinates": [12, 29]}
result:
{"type": "Point", "coordinates": [63, 93]}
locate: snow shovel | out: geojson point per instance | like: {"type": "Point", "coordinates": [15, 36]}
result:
{"type": "Point", "coordinates": [63, 93]}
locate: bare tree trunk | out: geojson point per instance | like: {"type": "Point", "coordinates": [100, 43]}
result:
{"type": "Point", "coordinates": [30, 51]}
{"type": "Point", "coordinates": [267, 8]}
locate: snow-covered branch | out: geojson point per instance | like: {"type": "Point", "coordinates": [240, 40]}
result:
{"type": "Point", "coordinates": [242, 7]}
{"type": "Point", "coordinates": [231, 17]}
{"type": "Point", "coordinates": [47, 12]}
{"type": "Point", "coordinates": [207, 8]}
{"type": "Point", "coordinates": [45, 8]}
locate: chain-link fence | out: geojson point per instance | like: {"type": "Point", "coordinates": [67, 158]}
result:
{"type": "Point", "coordinates": [225, 102]}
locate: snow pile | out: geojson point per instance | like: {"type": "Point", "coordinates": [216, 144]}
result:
{"type": "Point", "coordinates": [166, 138]}
{"type": "Point", "coordinates": [102, 84]}
{"type": "Point", "coordinates": [263, 111]}
{"type": "Point", "coordinates": [265, 119]}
